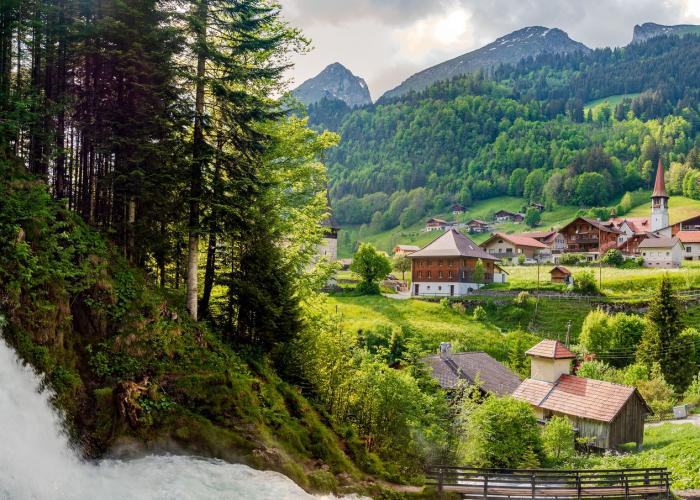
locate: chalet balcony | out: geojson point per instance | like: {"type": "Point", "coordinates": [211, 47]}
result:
{"type": "Point", "coordinates": [586, 239]}
{"type": "Point", "coordinates": [504, 255]}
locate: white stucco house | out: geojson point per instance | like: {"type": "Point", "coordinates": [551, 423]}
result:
{"type": "Point", "coordinates": [662, 252]}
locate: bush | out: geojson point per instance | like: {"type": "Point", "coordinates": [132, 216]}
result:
{"type": "Point", "coordinates": [558, 437]}
{"type": "Point", "coordinates": [657, 393]}
{"type": "Point", "coordinates": [521, 259]}
{"type": "Point", "coordinates": [613, 257]}
{"type": "Point", "coordinates": [692, 393]}
{"type": "Point", "coordinates": [523, 299]}
{"type": "Point", "coordinates": [570, 259]}
{"type": "Point", "coordinates": [480, 313]}
{"type": "Point", "coordinates": [501, 432]}
{"type": "Point", "coordinates": [595, 332]}
{"type": "Point", "coordinates": [585, 283]}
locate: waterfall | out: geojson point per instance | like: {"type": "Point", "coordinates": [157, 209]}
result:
{"type": "Point", "coordinates": [38, 463]}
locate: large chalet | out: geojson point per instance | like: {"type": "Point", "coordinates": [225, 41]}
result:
{"type": "Point", "coordinates": [590, 236]}
{"type": "Point", "coordinates": [445, 267]}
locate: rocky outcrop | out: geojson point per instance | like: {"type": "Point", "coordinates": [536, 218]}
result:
{"type": "Point", "coordinates": [335, 82]}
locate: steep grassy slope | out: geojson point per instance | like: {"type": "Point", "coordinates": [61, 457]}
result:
{"type": "Point", "coordinates": [131, 371]}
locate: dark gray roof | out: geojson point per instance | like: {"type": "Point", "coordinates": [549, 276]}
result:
{"type": "Point", "coordinates": [660, 242]}
{"type": "Point", "coordinates": [449, 368]}
{"type": "Point", "coordinates": [452, 244]}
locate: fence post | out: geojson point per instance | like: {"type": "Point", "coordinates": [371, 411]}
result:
{"type": "Point", "coordinates": [486, 484]}
{"type": "Point", "coordinates": [532, 480]}
{"type": "Point", "coordinates": [627, 487]}
{"type": "Point", "coordinates": [578, 485]}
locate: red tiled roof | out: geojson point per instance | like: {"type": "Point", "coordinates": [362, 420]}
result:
{"type": "Point", "coordinates": [532, 391]}
{"type": "Point", "coordinates": [636, 224]}
{"type": "Point", "coordinates": [561, 269]}
{"type": "Point", "coordinates": [688, 236]}
{"type": "Point", "coordinates": [660, 183]}
{"type": "Point", "coordinates": [587, 398]}
{"type": "Point", "coordinates": [517, 240]}
{"type": "Point", "coordinates": [577, 397]}
{"type": "Point", "coordinates": [550, 349]}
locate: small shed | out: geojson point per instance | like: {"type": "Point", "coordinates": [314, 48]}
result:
{"type": "Point", "coordinates": [608, 414]}
{"type": "Point", "coordinates": [560, 274]}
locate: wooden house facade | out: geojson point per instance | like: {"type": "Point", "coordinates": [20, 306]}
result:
{"type": "Point", "coordinates": [586, 235]}
{"type": "Point", "coordinates": [445, 267]}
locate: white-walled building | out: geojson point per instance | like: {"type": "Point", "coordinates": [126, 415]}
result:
{"type": "Point", "coordinates": [662, 252]}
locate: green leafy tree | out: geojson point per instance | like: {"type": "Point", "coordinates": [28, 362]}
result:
{"type": "Point", "coordinates": [662, 342]}
{"type": "Point", "coordinates": [401, 263]}
{"type": "Point", "coordinates": [585, 283]}
{"type": "Point", "coordinates": [558, 437]}
{"type": "Point", "coordinates": [613, 257]}
{"type": "Point", "coordinates": [371, 266]}
{"type": "Point", "coordinates": [479, 272]}
{"type": "Point", "coordinates": [533, 217]}
{"type": "Point", "coordinates": [501, 432]}
{"type": "Point", "coordinates": [595, 332]}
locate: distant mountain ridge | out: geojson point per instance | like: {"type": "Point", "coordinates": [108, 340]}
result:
{"type": "Point", "coordinates": [646, 31]}
{"type": "Point", "coordinates": [508, 49]}
{"type": "Point", "coordinates": [334, 82]}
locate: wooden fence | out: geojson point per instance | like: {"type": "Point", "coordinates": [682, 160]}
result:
{"type": "Point", "coordinates": [546, 483]}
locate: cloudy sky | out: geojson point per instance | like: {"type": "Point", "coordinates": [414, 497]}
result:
{"type": "Point", "coordinates": [386, 41]}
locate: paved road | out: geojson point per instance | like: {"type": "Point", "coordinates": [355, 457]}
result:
{"type": "Point", "coordinates": [692, 419]}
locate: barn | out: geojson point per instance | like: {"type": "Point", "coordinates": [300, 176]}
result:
{"type": "Point", "coordinates": [608, 414]}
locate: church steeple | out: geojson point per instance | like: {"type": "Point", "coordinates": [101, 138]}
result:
{"type": "Point", "coordinates": [659, 201]}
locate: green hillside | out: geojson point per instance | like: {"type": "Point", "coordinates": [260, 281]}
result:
{"type": "Point", "coordinates": [680, 208]}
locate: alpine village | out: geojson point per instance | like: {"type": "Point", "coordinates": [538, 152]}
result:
{"type": "Point", "coordinates": [223, 279]}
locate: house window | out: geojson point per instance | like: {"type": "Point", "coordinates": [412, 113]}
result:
{"type": "Point", "coordinates": [464, 275]}
{"type": "Point", "coordinates": [688, 249]}
{"type": "Point", "coordinates": [644, 254]}
{"type": "Point", "coordinates": [430, 274]}
{"type": "Point", "coordinates": [440, 262]}
{"type": "Point", "coordinates": [439, 288]}
{"type": "Point", "coordinates": [668, 253]}
{"type": "Point", "coordinates": [440, 274]}
{"type": "Point", "coordinates": [420, 274]}
{"type": "Point", "coordinates": [449, 274]}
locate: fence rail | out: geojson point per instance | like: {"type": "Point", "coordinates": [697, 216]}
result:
{"type": "Point", "coordinates": [545, 483]}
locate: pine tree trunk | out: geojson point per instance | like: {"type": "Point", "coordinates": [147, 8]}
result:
{"type": "Point", "coordinates": [198, 160]}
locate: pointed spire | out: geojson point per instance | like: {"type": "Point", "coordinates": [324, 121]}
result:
{"type": "Point", "coordinates": [660, 184]}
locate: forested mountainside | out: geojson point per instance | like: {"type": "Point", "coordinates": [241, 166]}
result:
{"type": "Point", "coordinates": [525, 130]}
{"type": "Point", "coordinates": [646, 31]}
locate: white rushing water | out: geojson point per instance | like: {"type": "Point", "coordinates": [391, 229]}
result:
{"type": "Point", "coordinates": [37, 462]}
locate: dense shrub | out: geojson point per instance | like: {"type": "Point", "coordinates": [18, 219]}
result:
{"type": "Point", "coordinates": [558, 437]}
{"type": "Point", "coordinates": [501, 432]}
{"type": "Point", "coordinates": [585, 283]}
